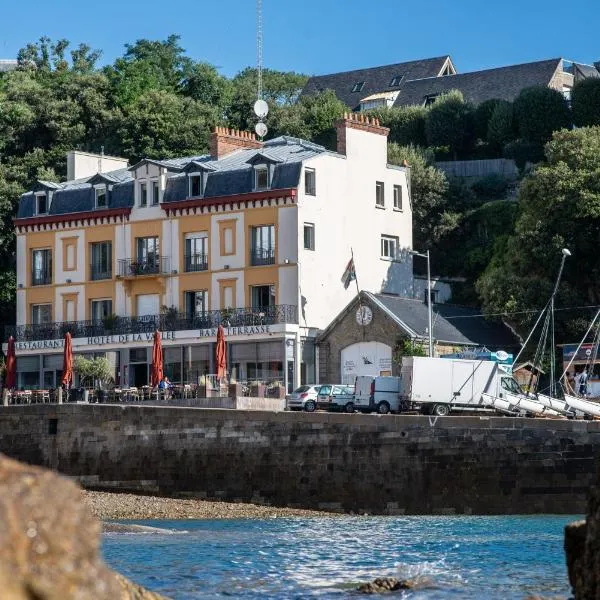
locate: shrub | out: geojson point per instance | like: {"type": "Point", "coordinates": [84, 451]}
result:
{"type": "Point", "coordinates": [449, 123]}
{"type": "Point", "coordinates": [482, 117]}
{"type": "Point", "coordinates": [501, 128]}
{"type": "Point", "coordinates": [523, 152]}
{"type": "Point", "coordinates": [539, 111]}
{"type": "Point", "coordinates": [406, 123]}
{"type": "Point", "coordinates": [491, 187]}
{"type": "Point", "coordinates": [585, 102]}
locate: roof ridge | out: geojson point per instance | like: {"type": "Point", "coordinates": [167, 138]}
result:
{"type": "Point", "coordinates": [406, 62]}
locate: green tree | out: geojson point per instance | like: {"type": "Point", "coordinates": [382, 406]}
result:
{"type": "Point", "coordinates": [429, 187]}
{"type": "Point", "coordinates": [406, 124]}
{"type": "Point", "coordinates": [207, 86]}
{"type": "Point", "coordinates": [501, 127]}
{"type": "Point", "coordinates": [559, 206]}
{"type": "Point", "coordinates": [585, 102]}
{"type": "Point", "coordinates": [449, 123]}
{"type": "Point", "coordinates": [482, 116]}
{"type": "Point", "coordinates": [540, 111]}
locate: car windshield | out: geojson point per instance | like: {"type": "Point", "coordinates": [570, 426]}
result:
{"type": "Point", "coordinates": [302, 389]}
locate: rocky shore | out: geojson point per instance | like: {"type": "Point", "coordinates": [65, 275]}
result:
{"type": "Point", "coordinates": [114, 506]}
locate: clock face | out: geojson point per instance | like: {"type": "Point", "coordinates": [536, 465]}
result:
{"type": "Point", "coordinates": [364, 315]}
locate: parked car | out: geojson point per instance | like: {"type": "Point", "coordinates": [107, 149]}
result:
{"type": "Point", "coordinates": [336, 397]}
{"type": "Point", "coordinates": [303, 398]}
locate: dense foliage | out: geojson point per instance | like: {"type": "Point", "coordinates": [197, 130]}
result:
{"type": "Point", "coordinates": [585, 102]}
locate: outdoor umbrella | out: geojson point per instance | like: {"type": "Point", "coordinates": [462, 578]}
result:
{"type": "Point", "coordinates": [156, 373]}
{"type": "Point", "coordinates": [67, 378]}
{"type": "Point", "coordinates": [221, 353]}
{"type": "Point", "coordinates": [11, 365]}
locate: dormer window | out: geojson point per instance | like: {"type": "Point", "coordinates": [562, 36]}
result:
{"type": "Point", "coordinates": [143, 194]}
{"type": "Point", "coordinates": [155, 192]}
{"type": "Point", "coordinates": [358, 86]}
{"type": "Point", "coordinates": [396, 81]}
{"type": "Point", "coordinates": [101, 197]}
{"type": "Point", "coordinates": [196, 188]}
{"type": "Point", "coordinates": [41, 204]}
{"type": "Point", "coordinates": [261, 177]}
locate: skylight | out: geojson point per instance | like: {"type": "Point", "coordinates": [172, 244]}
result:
{"type": "Point", "coordinates": [358, 86]}
{"type": "Point", "coordinates": [396, 80]}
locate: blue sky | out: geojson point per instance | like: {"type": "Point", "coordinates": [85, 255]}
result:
{"type": "Point", "coordinates": [320, 36]}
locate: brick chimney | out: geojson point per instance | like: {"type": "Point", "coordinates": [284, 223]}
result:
{"type": "Point", "coordinates": [224, 141]}
{"type": "Point", "coordinates": [359, 122]}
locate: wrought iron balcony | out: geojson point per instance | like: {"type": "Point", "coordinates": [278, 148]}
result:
{"type": "Point", "coordinates": [41, 277]}
{"type": "Point", "coordinates": [262, 256]}
{"type": "Point", "coordinates": [169, 321]}
{"type": "Point", "coordinates": [151, 265]}
{"type": "Point", "coordinates": [196, 262]}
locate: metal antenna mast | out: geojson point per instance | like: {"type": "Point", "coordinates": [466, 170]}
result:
{"type": "Point", "coordinates": [261, 108]}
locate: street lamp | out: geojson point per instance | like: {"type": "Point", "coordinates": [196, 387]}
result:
{"type": "Point", "coordinates": [426, 255]}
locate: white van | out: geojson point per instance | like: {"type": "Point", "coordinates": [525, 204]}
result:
{"type": "Point", "coordinates": [381, 394]}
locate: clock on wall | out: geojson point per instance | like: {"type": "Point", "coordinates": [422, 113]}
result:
{"type": "Point", "coordinates": [364, 315]}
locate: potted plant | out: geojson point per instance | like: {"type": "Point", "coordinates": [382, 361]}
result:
{"type": "Point", "coordinates": [109, 322]}
{"type": "Point", "coordinates": [94, 372]}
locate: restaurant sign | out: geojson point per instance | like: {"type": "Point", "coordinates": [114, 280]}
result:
{"type": "Point", "coordinates": [570, 352]}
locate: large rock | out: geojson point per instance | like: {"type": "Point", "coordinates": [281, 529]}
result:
{"type": "Point", "coordinates": [49, 541]}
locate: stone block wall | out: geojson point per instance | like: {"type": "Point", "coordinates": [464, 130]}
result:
{"type": "Point", "coordinates": [360, 463]}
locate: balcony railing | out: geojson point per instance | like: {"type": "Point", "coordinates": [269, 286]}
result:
{"type": "Point", "coordinates": [171, 321]}
{"type": "Point", "coordinates": [152, 265]}
{"type": "Point", "coordinates": [100, 271]}
{"type": "Point", "coordinates": [196, 262]}
{"type": "Point", "coordinates": [41, 277]}
{"type": "Point", "coordinates": [262, 256]}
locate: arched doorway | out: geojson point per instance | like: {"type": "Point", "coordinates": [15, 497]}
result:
{"type": "Point", "coordinates": [365, 358]}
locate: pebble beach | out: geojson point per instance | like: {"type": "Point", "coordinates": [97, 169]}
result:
{"type": "Point", "coordinates": [109, 506]}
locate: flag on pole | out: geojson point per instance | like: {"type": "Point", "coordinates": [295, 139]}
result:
{"type": "Point", "coordinates": [349, 274]}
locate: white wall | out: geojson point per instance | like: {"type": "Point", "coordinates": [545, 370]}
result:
{"type": "Point", "coordinates": [287, 227]}
{"type": "Point", "coordinates": [120, 307]}
{"type": "Point", "coordinates": [85, 164]}
{"type": "Point", "coordinates": [443, 289]}
{"type": "Point", "coordinates": [240, 289]}
{"type": "Point", "coordinates": [170, 243]}
{"type": "Point", "coordinates": [345, 217]}
{"type": "Point", "coordinates": [122, 243]}
{"type": "Point", "coordinates": [365, 358]}
{"type": "Point", "coordinates": [59, 292]}
{"type": "Point", "coordinates": [21, 307]}
{"type": "Point", "coordinates": [22, 259]}
{"type": "Point", "coordinates": [79, 274]}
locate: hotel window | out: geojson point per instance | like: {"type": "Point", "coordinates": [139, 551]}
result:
{"type": "Point", "coordinates": [262, 250]}
{"type": "Point", "coordinates": [41, 313]}
{"type": "Point", "coordinates": [101, 257]}
{"type": "Point", "coordinates": [309, 236]}
{"type": "Point", "coordinates": [101, 198]}
{"type": "Point", "coordinates": [155, 193]}
{"type": "Point", "coordinates": [41, 267]}
{"type": "Point", "coordinates": [262, 296]}
{"type": "Point", "coordinates": [310, 182]}
{"type": "Point", "coordinates": [100, 309]}
{"type": "Point", "coordinates": [397, 197]}
{"type": "Point", "coordinates": [358, 86]}
{"type": "Point", "coordinates": [196, 252]}
{"type": "Point", "coordinates": [261, 177]}
{"type": "Point", "coordinates": [41, 204]}
{"type": "Point", "coordinates": [380, 194]}
{"type": "Point", "coordinates": [148, 252]}
{"type": "Point", "coordinates": [389, 247]}
{"type": "Point", "coordinates": [196, 304]}
{"type": "Point", "coordinates": [195, 185]}
{"type": "Point", "coordinates": [143, 194]}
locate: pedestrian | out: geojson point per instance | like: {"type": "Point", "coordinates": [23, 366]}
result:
{"type": "Point", "coordinates": [583, 383]}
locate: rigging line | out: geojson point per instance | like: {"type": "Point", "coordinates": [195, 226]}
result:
{"type": "Point", "coordinates": [518, 312]}
{"type": "Point", "coordinates": [580, 344]}
{"type": "Point", "coordinates": [532, 330]}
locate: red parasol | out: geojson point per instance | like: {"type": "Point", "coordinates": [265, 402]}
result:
{"type": "Point", "coordinates": [156, 372]}
{"type": "Point", "coordinates": [67, 378]}
{"type": "Point", "coordinates": [11, 365]}
{"type": "Point", "coordinates": [221, 353]}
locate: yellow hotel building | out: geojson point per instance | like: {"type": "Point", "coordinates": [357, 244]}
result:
{"type": "Point", "coordinates": [254, 236]}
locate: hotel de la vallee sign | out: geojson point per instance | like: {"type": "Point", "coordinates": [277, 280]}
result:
{"type": "Point", "coordinates": [253, 236]}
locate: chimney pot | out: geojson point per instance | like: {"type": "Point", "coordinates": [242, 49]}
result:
{"type": "Point", "coordinates": [405, 163]}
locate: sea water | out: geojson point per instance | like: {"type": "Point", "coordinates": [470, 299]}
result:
{"type": "Point", "coordinates": [293, 558]}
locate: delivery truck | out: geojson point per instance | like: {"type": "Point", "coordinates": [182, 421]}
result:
{"type": "Point", "coordinates": [439, 386]}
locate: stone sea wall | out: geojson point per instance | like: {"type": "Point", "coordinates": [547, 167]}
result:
{"type": "Point", "coordinates": [359, 463]}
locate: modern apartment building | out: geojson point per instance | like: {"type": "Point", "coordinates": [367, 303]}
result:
{"type": "Point", "coordinates": [255, 236]}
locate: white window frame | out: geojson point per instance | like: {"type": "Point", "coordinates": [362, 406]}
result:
{"type": "Point", "coordinates": [398, 197]}
{"type": "Point", "coordinates": [154, 187]}
{"type": "Point", "coordinates": [202, 178]}
{"type": "Point", "coordinates": [44, 195]}
{"type": "Point", "coordinates": [103, 189]}
{"type": "Point", "coordinates": [310, 226]}
{"type": "Point", "coordinates": [380, 185]}
{"type": "Point", "coordinates": [261, 169]}
{"type": "Point", "coordinates": [37, 306]}
{"type": "Point", "coordinates": [143, 184]}
{"type": "Point", "coordinates": [310, 191]}
{"type": "Point", "coordinates": [389, 247]}
{"type": "Point", "coordinates": [96, 300]}
{"type": "Point", "coordinates": [358, 86]}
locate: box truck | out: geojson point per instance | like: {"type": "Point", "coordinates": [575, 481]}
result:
{"type": "Point", "coordinates": [438, 386]}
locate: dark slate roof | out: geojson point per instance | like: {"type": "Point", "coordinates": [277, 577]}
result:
{"type": "Point", "coordinates": [478, 86]}
{"type": "Point", "coordinates": [584, 71]}
{"type": "Point", "coordinates": [377, 79]}
{"type": "Point", "coordinates": [232, 174]}
{"type": "Point", "coordinates": [451, 323]}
